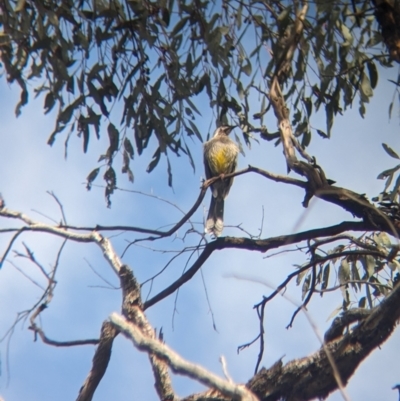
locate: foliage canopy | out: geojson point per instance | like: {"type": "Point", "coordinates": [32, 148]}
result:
{"type": "Point", "coordinates": [141, 68]}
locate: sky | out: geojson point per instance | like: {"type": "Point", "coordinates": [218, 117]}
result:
{"type": "Point", "coordinates": [33, 371]}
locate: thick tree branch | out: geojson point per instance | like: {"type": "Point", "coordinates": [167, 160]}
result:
{"type": "Point", "coordinates": [100, 362]}
{"type": "Point", "coordinates": [178, 364]}
{"type": "Point", "coordinates": [387, 14]}
{"type": "Point", "coordinates": [132, 309]}
{"type": "Point", "coordinates": [311, 377]}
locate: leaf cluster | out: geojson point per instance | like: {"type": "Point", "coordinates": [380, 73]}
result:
{"type": "Point", "coordinates": [365, 269]}
{"type": "Point", "coordinates": [143, 68]}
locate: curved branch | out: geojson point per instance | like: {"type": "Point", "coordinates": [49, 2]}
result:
{"type": "Point", "coordinates": [259, 245]}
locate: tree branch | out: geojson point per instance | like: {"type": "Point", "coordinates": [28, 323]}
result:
{"type": "Point", "coordinates": [100, 362]}
{"type": "Point", "coordinates": [311, 377]}
{"type": "Point", "coordinates": [178, 364]}
{"type": "Point", "coordinates": [259, 245]}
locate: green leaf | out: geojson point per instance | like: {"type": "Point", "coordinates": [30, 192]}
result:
{"type": "Point", "coordinates": [49, 102]}
{"type": "Point", "coordinates": [300, 276]}
{"type": "Point", "coordinates": [66, 114]}
{"type": "Point", "coordinates": [179, 26]}
{"type": "Point", "coordinates": [91, 177]}
{"type": "Point", "coordinates": [390, 110]}
{"type": "Point", "coordinates": [329, 118]}
{"type": "Point", "coordinates": [111, 180]}
{"type": "Point", "coordinates": [189, 65]}
{"type": "Point", "coordinates": [85, 133]}
{"type": "Point", "coordinates": [382, 239]}
{"type": "Point", "coordinates": [23, 98]}
{"type": "Point", "coordinates": [322, 133]}
{"type": "Point", "coordinates": [238, 16]}
{"type": "Point", "coordinates": [344, 272]}
{"type": "Point", "coordinates": [390, 151]}
{"type": "Point", "coordinates": [355, 276]}
{"type": "Point", "coordinates": [365, 87]}
{"type": "Point", "coordinates": [335, 312]}
{"type": "Point", "coordinates": [347, 36]}
{"type": "Point", "coordinates": [388, 172]}
{"type": "Point", "coordinates": [169, 171]}
{"type": "Point", "coordinates": [305, 287]}
{"type": "Point", "coordinates": [224, 29]}
{"type": "Point", "coordinates": [128, 147]}
{"type": "Point", "coordinates": [361, 109]}
{"type": "Point", "coordinates": [247, 68]}
{"type": "Point", "coordinates": [192, 106]}
{"type": "Point", "coordinates": [284, 17]}
{"type": "Point", "coordinates": [373, 74]}
{"type": "Point", "coordinates": [306, 139]}
{"type": "Point", "coordinates": [368, 263]}
{"type": "Point", "coordinates": [325, 276]}
{"type": "Point", "coordinates": [165, 16]}
{"type": "Point", "coordinates": [240, 90]}
{"type": "Point", "coordinates": [308, 105]}
{"type": "Point", "coordinates": [154, 161]}
{"type": "Point", "coordinates": [113, 135]}
{"type": "Point", "coordinates": [395, 189]}
{"type": "Point", "coordinates": [125, 167]}
{"type": "Point", "coordinates": [195, 130]}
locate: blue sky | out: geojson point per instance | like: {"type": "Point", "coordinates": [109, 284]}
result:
{"type": "Point", "coordinates": [353, 157]}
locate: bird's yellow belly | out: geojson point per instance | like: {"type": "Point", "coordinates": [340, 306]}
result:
{"type": "Point", "coordinates": [220, 162]}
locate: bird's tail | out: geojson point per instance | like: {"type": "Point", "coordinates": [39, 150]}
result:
{"type": "Point", "coordinates": [215, 219]}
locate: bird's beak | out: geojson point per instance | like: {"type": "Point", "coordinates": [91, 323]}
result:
{"type": "Point", "coordinates": [231, 127]}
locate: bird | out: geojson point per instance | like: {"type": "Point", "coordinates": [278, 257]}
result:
{"type": "Point", "coordinates": [220, 158]}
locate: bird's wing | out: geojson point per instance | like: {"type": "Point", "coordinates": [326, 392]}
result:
{"type": "Point", "coordinates": [206, 165]}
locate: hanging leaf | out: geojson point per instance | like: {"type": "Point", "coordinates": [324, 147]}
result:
{"type": "Point", "coordinates": [365, 87]}
{"type": "Point", "coordinates": [373, 74]}
{"type": "Point", "coordinates": [306, 286]}
{"type": "Point", "coordinates": [113, 135]}
{"type": "Point", "coordinates": [49, 102]}
{"type": "Point", "coordinates": [247, 68]}
{"type": "Point", "coordinates": [390, 151]}
{"type": "Point", "coordinates": [91, 177]}
{"type": "Point", "coordinates": [154, 161]}
{"type": "Point", "coordinates": [322, 134]}
{"type": "Point", "coordinates": [368, 263]}
{"type": "Point", "coordinates": [308, 105]}
{"type": "Point", "coordinates": [325, 276]}
{"type": "Point", "coordinates": [361, 302]}
{"type": "Point", "coordinates": [344, 272]}
{"type": "Point", "coordinates": [128, 147]}
{"type": "Point", "coordinates": [355, 276]}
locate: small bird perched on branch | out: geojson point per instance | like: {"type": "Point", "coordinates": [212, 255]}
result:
{"type": "Point", "coordinates": [220, 158]}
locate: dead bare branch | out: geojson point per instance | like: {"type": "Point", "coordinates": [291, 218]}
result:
{"type": "Point", "coordinates": [100, 362]}
{"type": "Point", "coordinates": [178, 364]}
